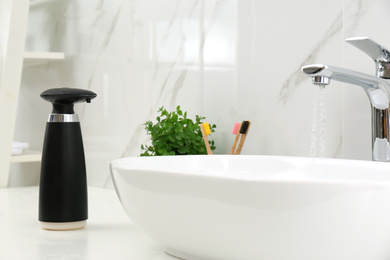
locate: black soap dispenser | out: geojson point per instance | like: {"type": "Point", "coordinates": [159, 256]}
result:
{"type": "Point", "coordinates": [63, 198]}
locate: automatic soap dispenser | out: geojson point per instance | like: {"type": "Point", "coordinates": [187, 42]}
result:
{"type": "Point", "coordinates": [63, 198]}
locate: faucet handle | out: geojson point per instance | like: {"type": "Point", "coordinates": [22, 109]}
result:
{"type": "Point", "coordinates": [379, 54]}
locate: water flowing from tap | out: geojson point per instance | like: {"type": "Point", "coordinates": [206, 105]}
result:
{"type": "Point", "coordinates": [318, 123]}
{"type": "Point", "coordinates": [378, 92]}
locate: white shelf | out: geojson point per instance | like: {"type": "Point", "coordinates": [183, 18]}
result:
{"type": "Point", "coordinates": [27, 156]}
{"type": "Point", "coordinates": [14, 26]}
{"type": "Point", "coordinates": [34, 58]}
{"type": "Point", "coordinates": [34, 3]}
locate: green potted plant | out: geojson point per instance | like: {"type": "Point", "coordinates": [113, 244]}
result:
{"type": "Point", "coordinates": [175, 134]}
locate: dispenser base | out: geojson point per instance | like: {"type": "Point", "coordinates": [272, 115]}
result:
{"type": "Point", "coordinates": [63, 226]}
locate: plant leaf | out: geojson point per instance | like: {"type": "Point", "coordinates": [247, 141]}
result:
{"type": "Point", "coordinates": [183, 149]}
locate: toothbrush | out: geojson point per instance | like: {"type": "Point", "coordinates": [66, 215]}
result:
{"type": "Point", "coordinates": [205, 129]}
{"type": "Point", "coordinates": [236, 132]}
{"type": "Point", "coordinates": [244, 129]}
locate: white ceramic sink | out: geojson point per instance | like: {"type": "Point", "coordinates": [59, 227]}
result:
{"type": "Point", "coordinates": [259, 207]}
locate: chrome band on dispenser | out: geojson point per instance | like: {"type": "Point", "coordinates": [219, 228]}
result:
{"type": "Point", "coordinates": [63, 118]}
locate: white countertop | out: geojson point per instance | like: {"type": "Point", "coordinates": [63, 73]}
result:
{"type": "Point", "coordinates": [109, 233]}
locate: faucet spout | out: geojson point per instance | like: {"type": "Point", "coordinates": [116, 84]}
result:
{"type": "Point", "coordinates": [378, 91]}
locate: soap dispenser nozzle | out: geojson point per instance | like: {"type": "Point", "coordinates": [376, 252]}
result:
{"type": "Point", "coordinates": [63, 99]}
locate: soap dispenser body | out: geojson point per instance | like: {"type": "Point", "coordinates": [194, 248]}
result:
{"type": "Point", "coordinates": [63, 198]}
{"type": "Point", "coordinates": [63, 195]}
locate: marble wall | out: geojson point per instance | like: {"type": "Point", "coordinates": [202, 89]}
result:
{"type": "Point", "coordinates": [228, 60]}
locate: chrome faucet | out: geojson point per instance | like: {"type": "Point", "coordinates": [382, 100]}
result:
{"type": "Point", "coordinates": [377, 89]}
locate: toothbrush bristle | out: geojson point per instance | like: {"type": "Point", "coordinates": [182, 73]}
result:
{"type": "Point", "coordinates": [206, 128]}
{"type": "Point", "coordinates": [244, 127]}
{"type": "Point", "coordinates": [236, 128]}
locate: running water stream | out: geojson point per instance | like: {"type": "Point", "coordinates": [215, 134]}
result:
{"type": "Point", "coordinates": [318, 123]}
